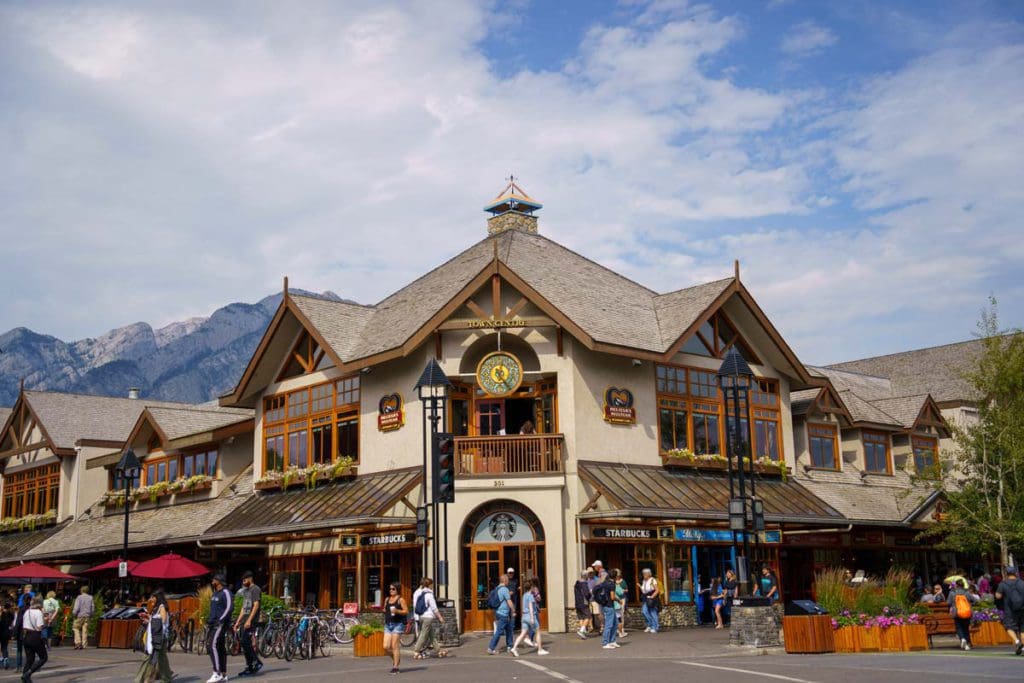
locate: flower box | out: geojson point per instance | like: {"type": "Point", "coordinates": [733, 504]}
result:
{"type": "Point", "coordinates": [715, 465]}
{"type": "Point", "coordinates": [301, 477]}
{"type": "Point", "coordinates": [870, 638]}
{"type": "Point", "coordinates": [847, 639]}
{"type": "Point", "coordinates": [989, 634]}
{"type": "Point", "coordinates": [369, 645]}
{"type": "Point", "coordinates": [904, 638]}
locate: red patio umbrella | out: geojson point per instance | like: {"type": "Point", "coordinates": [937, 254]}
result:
{"type": "Point", "coordinates": [113, 565]}
{"type": "Point", "coordinates": [169, 566]}
{"type": "Point", "coordinates": [35, 573]}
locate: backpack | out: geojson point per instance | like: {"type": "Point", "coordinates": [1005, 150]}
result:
{"type": "Point", "coordinates": [601, 594]}
{"type": "Point", "coordinates": [963, 606]}
{"type": "Point", "coordinates": [493, 601]}
{"type": "Point", "coordinates": [421, 604]}
{"type": "Point", "coordinates": [1013, 592]}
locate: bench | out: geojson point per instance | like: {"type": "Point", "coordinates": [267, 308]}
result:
{"type": "Point", "coordinates": [939, 622]}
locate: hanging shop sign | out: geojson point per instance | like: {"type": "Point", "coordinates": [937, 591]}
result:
{"type": "Point", "coordinates": [390, 413]}
{"type": "Point", "coordinates": [722, 535]}
{"type": "Point", "coordinates": [618, 406]}
{"type": "Point", "coordinates": [666, 533]}
{"type": "Point", "coordinates": [499, 373]}
{"type": "Point", "coordinates": [349, 541]}
{"type": "Point", "coordinates": [396, 538]}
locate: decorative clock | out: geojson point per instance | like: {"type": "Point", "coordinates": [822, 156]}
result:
{"type": "Point", "coordinates": [499, 373]}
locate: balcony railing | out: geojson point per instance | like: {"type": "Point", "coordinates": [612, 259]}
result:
{"type": "Point", "coordinates": [519, 454]}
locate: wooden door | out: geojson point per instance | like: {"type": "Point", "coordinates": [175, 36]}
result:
{"type": "Point", "coordinates": [485, 569]}
{"type": "Point", "coordinates": [490, 417]}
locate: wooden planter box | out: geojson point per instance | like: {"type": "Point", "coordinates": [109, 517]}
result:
{"type": "Point", "coordinates": [714, 466]}
{"type": "Point", "coordinates": [989, 634]}
{"type": "Point", "coordinates": [904, 638]}
{"type": "Point", "coordinates": [808, 634]}
{"type": "Point", "coordinates": [858, 639]}
{"type": "Point", "coordinates": [369, 646]}
{"type": "Point", "coordinates": [301, 481]}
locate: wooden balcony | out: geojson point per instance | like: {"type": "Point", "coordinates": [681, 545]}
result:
{"type": "Point", "coordinates": [518, 454]}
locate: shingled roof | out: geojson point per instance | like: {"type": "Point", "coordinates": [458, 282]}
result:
{"type": "Point", "coordinates": [179, 422]}
{"type": "Point", "coordinates": [69, 418]}
{"type": "Point", "coordinates": [935, 370]}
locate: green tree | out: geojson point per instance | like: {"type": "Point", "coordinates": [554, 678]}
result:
{"type": "Point", "coordinates": [985, 489]}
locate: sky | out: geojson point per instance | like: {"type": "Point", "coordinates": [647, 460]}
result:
{"type": "Point", "coordinates": [863, 161]}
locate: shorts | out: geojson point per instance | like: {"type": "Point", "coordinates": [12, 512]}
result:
{"type": "Point", "coordinates": [582, 612]}
{"type": "Point", "coordinates": [595, 608]}
{"type": "Point", "coordinates": [396, 627]}
{"type": "Point", "coordinates": [530, 627]}
{"type": "Point", "coordinates": [1012, 620]}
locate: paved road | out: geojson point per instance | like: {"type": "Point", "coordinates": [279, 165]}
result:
{"type": "Point", "coordinates": [697, 656]}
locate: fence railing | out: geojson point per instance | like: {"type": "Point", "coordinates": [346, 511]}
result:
{"type": "Point", "coordinates": [516, 454]}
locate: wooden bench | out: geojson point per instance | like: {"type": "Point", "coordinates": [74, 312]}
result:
{"type": "Point", "coordinates": [939, 622]}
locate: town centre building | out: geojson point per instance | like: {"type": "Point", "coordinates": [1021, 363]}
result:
{"type": "Point", "coordinates": [588, 426]}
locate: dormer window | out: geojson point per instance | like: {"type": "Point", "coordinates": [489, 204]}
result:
{"type": "Point", "coordinates": [306, 357]}
{"type": "Point", "coordinates": [715, 337]}
{"type": "Point", "coordinates": [876, 453]}
{"type": "Point", "coordinates": [926, 454]}
{"type": "Point", "coordinates": [824, 446]}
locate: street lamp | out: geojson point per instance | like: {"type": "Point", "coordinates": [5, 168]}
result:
{"type": "Point", "coordinates": [432, 390]}
{"type": "Point", "coordinates": [735, 379]}
{"type": "Point", "coordinates": [127, 471]}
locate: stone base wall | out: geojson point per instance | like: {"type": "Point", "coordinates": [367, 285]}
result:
{"type": "Point", "coordinates": [511, 220]}
{"type": "Point", "coordinates": [672, 616]}
{"type": "Point", "coordinates": [756, 626]}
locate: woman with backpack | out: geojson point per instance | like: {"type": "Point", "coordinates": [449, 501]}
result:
{"type": "Point", "coordinates": [531, 620]}
{"type": "Point", "coordinates": [960, 601]}
{"type": "Point", "coordinates": [156, 666]}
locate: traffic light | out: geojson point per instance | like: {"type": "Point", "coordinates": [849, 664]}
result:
{"type": "Point", "coordinates": [444, 467]}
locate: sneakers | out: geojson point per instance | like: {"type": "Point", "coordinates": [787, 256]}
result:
{"type": "Point", "coordinates": [215, 678]}
{"type": "Point", "coordinates": [967, 646]}
{"type": "Point", "coordinates": [582, 634]}
{"type": "Point", "coordinates": [491, 652]}
{"type": "Point", "coordinates": [395, 670]}
{"type": "Point", "coordinates": [609, 646]}
{"type": "Point", "coordinates": [963, 644]}
{"type": "Point", "coordinates": [623, 634]}
{"type": "Point", "coordinates": [1017, 649]}
{"type": "Point", "coordinates": [648, 630]}
{"type": "Point", "coordinates": [542, 652]}
{"type": "Point", "coordinates": [514, 652]}
{"type": "Point", "coordinates": [529, 642]}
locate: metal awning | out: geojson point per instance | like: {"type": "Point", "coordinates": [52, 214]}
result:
{"type": "Point", "coordinates": [659, 493]}
{"type": "Point", "coordinates": [365, 499]}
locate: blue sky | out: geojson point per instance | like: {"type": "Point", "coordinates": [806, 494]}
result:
{"type": "Point", "coordinates": [863, 161]}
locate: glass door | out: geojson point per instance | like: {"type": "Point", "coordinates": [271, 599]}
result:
{"type": "Point", "coordinates": [484, 572]}
{"type": "Point", "coordinates": [490, 417]}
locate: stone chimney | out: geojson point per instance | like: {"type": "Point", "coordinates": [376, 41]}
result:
{"type": "Point", "coordinates": [512, 209]}
{"type": "Point", "coordinates": [133, 393]}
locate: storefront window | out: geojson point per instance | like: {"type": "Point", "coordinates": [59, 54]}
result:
{"type": "Point", "coordinates": [679, 580]}
{"type": "Point", "coordinates": [382, 569]}
{"type": "Point", "coordinates": [323, 424]}
{"type": "Point", "coordinates": [286, 579]}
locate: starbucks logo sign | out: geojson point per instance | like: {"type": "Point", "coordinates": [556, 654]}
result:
{"type": "Point", "coordinates": [503, 527]}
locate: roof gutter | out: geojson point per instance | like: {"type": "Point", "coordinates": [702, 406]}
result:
{"type": "Point", "coordinates": [849, 528]}
{"type": "Point", "coordinates": [711, 516]}
{"type": "Point", "coordinates": [232, 546]}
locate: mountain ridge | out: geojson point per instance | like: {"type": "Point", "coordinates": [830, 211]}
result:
{"type": "Point", "coordinates": [193, 360]}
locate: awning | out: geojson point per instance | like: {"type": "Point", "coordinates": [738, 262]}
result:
{"type": "Point", "coordinates": [659, 493]}
{"type": "Point", "coordinates": [365, 499]}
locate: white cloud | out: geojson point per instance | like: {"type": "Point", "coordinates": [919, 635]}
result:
{"type": "Point", "coordinates": [806, 38]}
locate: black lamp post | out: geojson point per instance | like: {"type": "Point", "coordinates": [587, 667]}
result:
{"type": "Point", "coordinates": [735, 379]}
{"type": "Point", "coordinates": [432, 390]}
{"type": "Point", "coordinates": [127, 471]}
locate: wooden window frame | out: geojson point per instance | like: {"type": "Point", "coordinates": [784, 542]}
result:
{"type": "Point", "coordinates": [307, 353]}
{"type": "Point", "coordinates": [717, 349]}
{"type": "Point", "coordinates": [753, 410]}
{"type": "Point", "coordinates": [931, 443]}
{"type": "Point", "coordinates": [870, 435]}
{"type": "Point", "coordinates": [294, 413]}
{"type": "Point", "coordinates": [42, 482]}
{"type": "Point", "coordinates": [827, 431]}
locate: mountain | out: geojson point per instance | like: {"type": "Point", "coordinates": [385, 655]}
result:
{"type": "Point", "coordinates": [194, 360]}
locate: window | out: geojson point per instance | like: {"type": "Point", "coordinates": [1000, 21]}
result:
{"type": "Point", "coordinates": [925, 454]}
{"type": "Point", "coordinates": [715, 337]}
{"type": "Point", "coordinates": [193, 464]}
{"type": "Point", "coordinates": [691, 414]}
{"type": "Point", "coordinates": [824, 446]}
{"type": "Point", "coordinates": [164, 468]}
{"type": "Point", "coordinates": [306, 357]}
{"type": "Point", "coordinates": [318, 424]}
{"type": "Point", "coordinates": [678, 582]}
{"type": "Point", "coordinates": [382, 569]}
{"type": "Point", "coordinates": [31, 492]}
{"type": "Point", "coordinates": [173, 467]}
{"type": "Point", "coordinates": [876, 452]}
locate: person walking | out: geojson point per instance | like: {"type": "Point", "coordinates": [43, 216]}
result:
{"type": "Point", "coordinates": [51, 607]}
{"type": "Point", "coordinates": [730, 587]}
{"type": "Point", "coordinates": [217, 624]}
{"type": "Point", "coordinates": [32, 635]}
{"type": "Point", "coordinates": [156, 667]}
{"type": "Point", "coordinates": [6, 629]}
{"type": "Point", "coordinates": [581, 596]}
{"type": "Point", "coordinates": [428, 616]}
{"type": "Point", "coordinates": [531, 620]}
{"type": "Point", "coordinates": [396, 615]}
{"type": "Point", "coordinates": [717, 601]}
{"type": "Point", "coordinates": [595, 609]}
{"type": "Point", "coordinates": [604, 595]}
{"type": "Point", "coordinates": [650, 596]}
{"type": "Point", "coordinates": [504, 614]}
{"type": "Point", "coordinates": [82, 612]}
{"type": "Point", "coordinates": [960, 601]}
{"type": "Point", "coordinates": [1011, 593]}
{"type": "Point", "coordinates": [622, 597]}
{"type": "Point", "coordinates": [248, 620]}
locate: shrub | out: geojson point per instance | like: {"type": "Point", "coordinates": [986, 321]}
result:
{"type": "Point", "coordinates": [829, 587]}
{"type": "Point", "coordinates": [366, 629]}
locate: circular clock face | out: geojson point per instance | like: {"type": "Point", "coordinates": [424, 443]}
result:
{"type": "Point", "coordinates": [499, 373]}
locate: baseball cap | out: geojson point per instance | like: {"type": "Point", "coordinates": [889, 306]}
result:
{"type": "Point", "coordinates": [597, 563]}
{"type": "Point", "coordinates": [1011, 570]}
{"type": "Point", "coordinates": [219, 578]}
{"type": "Point", "coordinates": [510, 571]}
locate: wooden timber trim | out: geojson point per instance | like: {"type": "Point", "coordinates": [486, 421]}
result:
{"type": "Point", "coordinates": [244, 426]}
{"type": "Point", "coordinates": [27, 448]}
{"type": "Point", "coordinates": [922, 418]}
{"type": "Point", "coordinates": [798, 367]}
{"type": "Point", "coordinates": [144, 418]}
{"type": "Point", "coordinates": [827, 390]}
{"type": "Point", "coordinates": [21, 406]}
{"type": "Point", "coordinates": [719, 301]}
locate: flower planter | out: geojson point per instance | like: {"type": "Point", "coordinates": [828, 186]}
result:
{"type": "Point", "coordinates": [298, 480]}
{"type": "Point", "coordinates": [369, 646]}
{"type": "Point", "coordinates": [870, 638]}
{"type": "Point", "coordinates": [714, 465]}
{"type": "Point", "coordinates": [915, 637]}
{"type": "Point", "coordinates": [847, 639]}
{"type": "Point", "coordinates": [808, 634]}
{"type": "Point", "coordinates": [272, 485]}
{"type": "Point", "coordinates": [989, 634]}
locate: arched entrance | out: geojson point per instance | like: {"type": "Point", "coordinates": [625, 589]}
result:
{"type": "Point", "coordinates": [498, 535]}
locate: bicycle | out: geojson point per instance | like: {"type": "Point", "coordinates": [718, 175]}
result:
{"type": "Point", "coordinates": [343, 620]}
